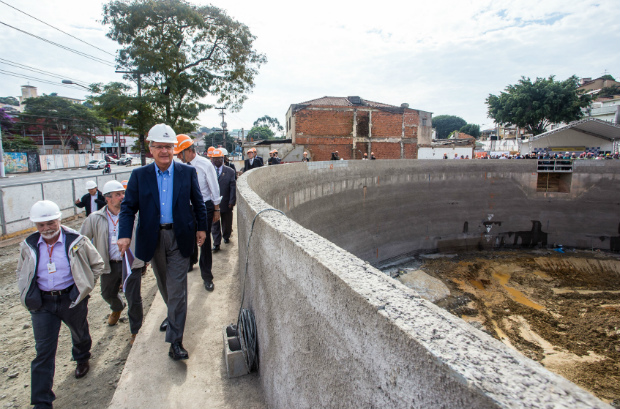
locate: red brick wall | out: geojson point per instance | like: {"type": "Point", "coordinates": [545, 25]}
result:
{"type": "Point", "coordinates": [412, 119]}
{"type": "Point", "coordinates": [386, 150]}
{"type": "Point", "coordinates": [324, 123]}
{"type": "Point", "coordinates": [387, 125]}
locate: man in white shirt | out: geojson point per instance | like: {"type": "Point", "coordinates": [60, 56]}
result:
{"type": "Point", "coordinates": [210, 189]}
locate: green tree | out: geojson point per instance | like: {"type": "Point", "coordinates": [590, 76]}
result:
{"type": "Point", "coordinates": [184, 53]}
{"type": "Point", "coordinates": [270, 122]}
{"type": "Point", "coordinates": [260, 132]}
{"type": "Point", "coordinates": [608, 77]}
{"type": "Point", "coordinates": [114, 103]}
{"type": "Point", "coordinates": [446, 124]}
{"type": "Point", "coordinates": [471, 129]}
{"type": "Point", "coordinates": [535, 105]}
{"type": "Point", "coordinates": [9, 101]}
{"type": "Point", "coordinates": [61, 118]}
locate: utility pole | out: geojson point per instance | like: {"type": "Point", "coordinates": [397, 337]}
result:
{"type": "Point", "coordinates": [142, 151]}
{"type": "Point", "coordinates": [223, 126]}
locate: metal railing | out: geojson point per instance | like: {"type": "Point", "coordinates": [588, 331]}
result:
{"type": "Point", "coordinates": [555, 166]}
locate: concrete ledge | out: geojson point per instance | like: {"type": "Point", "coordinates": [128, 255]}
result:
{"type": "Point", "coordinates": [333, 331]}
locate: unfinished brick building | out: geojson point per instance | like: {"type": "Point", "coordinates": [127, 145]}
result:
{"type": "Point", "coordinates": [354, 126]}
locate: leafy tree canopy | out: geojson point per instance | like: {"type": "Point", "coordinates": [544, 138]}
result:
{"type": "Point", "coordinates": [608, 77]}
{"type": "Point", "coordinates": [9, 101]}
{"type": "Point", "coordinates": [270, 122]}
{"type": "Point", "coordinates": [471, 129]}
{"type": "Point", "coordinates": [446, 124]}
{"type": "Point", "coordinates": [184, 53]}
{"type": "Point", "coordinates": [535, 105]}
{"type": "Point", "coordinates": [608, 92]}
{"type": "Point", "coordinates": [6, 122]}
{"type": "Point", "coordinates": [61, 118]}
{"type": "Point", "coordinates": [260, 132]}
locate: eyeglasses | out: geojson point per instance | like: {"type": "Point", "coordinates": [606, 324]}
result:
{"type": "Point", "coordinates": [162, 147]}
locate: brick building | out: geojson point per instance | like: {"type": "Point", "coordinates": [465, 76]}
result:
{"type": "Point", "coordinates": [354, 126]}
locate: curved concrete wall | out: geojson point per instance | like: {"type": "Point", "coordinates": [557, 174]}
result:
{"type": "Point", "coordinates": [334, 331]}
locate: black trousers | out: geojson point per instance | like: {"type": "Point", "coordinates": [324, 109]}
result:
{"type": "Point", "coordinates": [46, 327]}
{"type": "Point", "coordinates": [206, 258]}
{"type": "Point", "coordinates": [222, 228]}
{"type": "Point", "coordinates": [110, 288]}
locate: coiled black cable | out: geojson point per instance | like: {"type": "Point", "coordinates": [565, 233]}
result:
{"type": "Point", "coordinates": [246, 323]}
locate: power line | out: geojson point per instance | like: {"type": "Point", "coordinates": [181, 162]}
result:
{"type": "Point", "coordinates": [90, 57]}
{"type": "Point", "coordinates": [28, 77]}
{"type": "Point", "coordinates": [55, 28]}
{"type": "Point", "coordinates": [37, 70]}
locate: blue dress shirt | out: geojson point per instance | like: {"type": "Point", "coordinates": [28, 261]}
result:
{"type": "Point", "coordinates": [164, 185]}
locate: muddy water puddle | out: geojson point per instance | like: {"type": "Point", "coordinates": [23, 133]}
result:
{"type": "Point", "coordinates": [562, 310]}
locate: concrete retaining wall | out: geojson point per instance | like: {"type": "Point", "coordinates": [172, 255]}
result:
{"type": "Point", "coordinates": [334, 331]}
{"type": "Point", "coordinates": [16, 200]}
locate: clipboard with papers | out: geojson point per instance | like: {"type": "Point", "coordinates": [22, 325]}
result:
{"type": "Point", "coordinates": [128, 259]}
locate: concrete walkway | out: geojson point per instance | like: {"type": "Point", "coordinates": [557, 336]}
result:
{"type": "Point", "coordinates": [153, 380]}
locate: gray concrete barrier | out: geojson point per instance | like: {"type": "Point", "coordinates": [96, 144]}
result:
{"type": "Point", "coordinates": [16, 200]}
{"type": "Point", "coordinates": [333, 331]}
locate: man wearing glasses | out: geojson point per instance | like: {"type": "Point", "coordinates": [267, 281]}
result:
{"type": "Point", "coordinates": [162, 193]}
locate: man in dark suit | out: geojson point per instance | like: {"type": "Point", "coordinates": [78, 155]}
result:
{"type": "Point", "coordinates": [162, 193]}
{"type": "Point", "coordinates": [93, 200]}
{"type": "Point", "coordinates": [252, 161]}
{"type": "Point", "coordinates": [228, 191]}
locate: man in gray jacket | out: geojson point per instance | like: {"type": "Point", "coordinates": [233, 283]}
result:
{"type": "Point", "coordinates": [56, 271]}
{"type": "Point", "coordinates": [101, 227]}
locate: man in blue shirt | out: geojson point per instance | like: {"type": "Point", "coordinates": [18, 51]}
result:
{"type": "Point", "coordinates": [162, 192]}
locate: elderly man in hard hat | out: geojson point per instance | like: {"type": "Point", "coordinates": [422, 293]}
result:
{"type": "Point", "coordinates": [56, 271]}
{"type": "Point", "coordinates": [101, 227]}
{"type": "Point", "coordinates": [252, 161]}
{"type": "Point", "coordinates": [93, 200]}
{"type": "Point", "coordinates": [210, 190]}
{"type": "Point", "coordinates": [228, 189]}
{"type": "Point", "coordinates": [164, 193]}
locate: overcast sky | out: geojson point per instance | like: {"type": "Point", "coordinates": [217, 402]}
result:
{"type": "Point", "coordinates": [442, 56]}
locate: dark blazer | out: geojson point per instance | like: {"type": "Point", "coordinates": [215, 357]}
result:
{"type": "Point", "coordinates": [85, 202]}
{"type": "Point", "coordinates": [142, 195]}
{"type": "Point", "coordinates": [228, 189]}
{"type": "Point", "coordinates": [258, 162]}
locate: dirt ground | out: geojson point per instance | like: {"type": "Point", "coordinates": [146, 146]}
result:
{"type": "Point", "coordinates": [109, 351]}
{"type": "Point", "coordinates": [562, 310]}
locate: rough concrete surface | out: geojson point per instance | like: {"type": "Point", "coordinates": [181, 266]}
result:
{"type": "Point", "coordinates": [429, 288]}
{"type": "Point", "coordinates": [334, 331]}
{"type": "Point", "coordinates": [153, 380]}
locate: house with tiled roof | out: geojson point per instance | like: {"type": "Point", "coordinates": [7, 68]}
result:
{"type": "Point", "coordinates": [353, 126]}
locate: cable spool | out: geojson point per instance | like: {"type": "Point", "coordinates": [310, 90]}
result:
{"type": "Point", "coordinates": [246, 323]}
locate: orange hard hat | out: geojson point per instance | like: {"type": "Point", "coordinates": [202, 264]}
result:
{"type": "Point", "coordinates": [183, 142]}
{"type": "Point", "coordinates": [217, 153]}
{"type": "Point", "coordinates": [210, 151]}
{"type": "Point", "coordinates": [252, 150]}
{"type": "Point", "coordinates": [124, 183]}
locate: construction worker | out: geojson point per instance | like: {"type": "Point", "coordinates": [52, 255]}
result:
{"type": "Point", "coordinates": [252, 161]}
{"type": "Point", "coordinates": [56, 270]}
{"type": "Point", "coordinates": [210, 151]}
{"type": "Point", "coordinates": [210, 189]}
{"type": "Point", "coordinates": [305, 158]}
{"type": "Point", "coordinates": [166, 229]}
{"type": "Point", "coordinates": [228, 190]}
{"type": "Point", "coordinates": [101, 227]}
{"type": "Point", "coordinates": [93, 200]}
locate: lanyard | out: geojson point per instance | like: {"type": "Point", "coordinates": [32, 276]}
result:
{"type": "Point", "coordinates": [114, 223]}
{"type": "Point", "coordinates": [50, 250]}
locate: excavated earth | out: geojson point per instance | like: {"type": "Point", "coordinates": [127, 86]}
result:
{"type": "Point", "coordinates": [562, 310]}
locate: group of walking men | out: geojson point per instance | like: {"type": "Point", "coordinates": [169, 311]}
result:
{"type": "Point", "coordinates": [164, 211]}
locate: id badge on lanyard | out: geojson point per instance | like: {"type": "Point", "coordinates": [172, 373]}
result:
{"type": "Point", "coordinates": [113, 238]}
{"type": "Point", "coordinates": [51, 267]}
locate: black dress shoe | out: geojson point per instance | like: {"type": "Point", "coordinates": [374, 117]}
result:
{"type": "Point", "coordinates": [164, 325]}
{"type": "Point", "coordinates": [82, 369]}
{"type": "Point", "coordinates": [215, 249]}
{"type": "Point", "coordinates": [209, 285]}
{"type": "Point", "coordinates": [177, 351]}
{"type": "Point", "coordinates": [226, 241]}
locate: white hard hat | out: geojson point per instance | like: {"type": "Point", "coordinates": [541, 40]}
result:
{"type": "Point", "coordinates": [91, 184]}
{"type": "Point", "coordinates": [224, 151]}
{"type": "Point", "coordinates": [44, 210]}
{"type": "Point", "coordinates": [112, 186]}
{"type": "Point", "coordinates": [162, 133]}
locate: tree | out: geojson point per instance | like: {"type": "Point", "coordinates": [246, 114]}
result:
{"type": "Point", "coordinates": [535, 105]}
{"type": "Point", "coordinates": [61, 118]}
{"type": "Point", "coordinates": [260, 132]}
{"type": "Point", "coordinates": [9, 101]}
{"type": "Point", "coordinates": [270, 122]}
{"type": "Point", "coordinates": [608, 77]}
{"type": "Point", "coordinates": [471, 129]}
{"type": "Point", "coordinates": [113, 103]}
{"type": "Point", "coordinates": [445, 124]}
{"type": "Point", "coordinates": [184, 52]}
